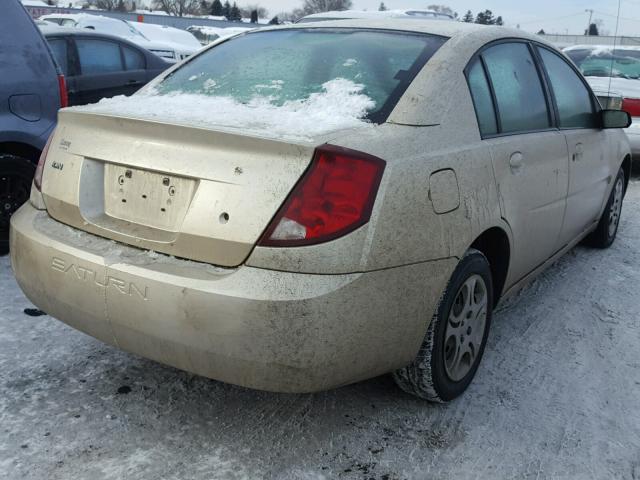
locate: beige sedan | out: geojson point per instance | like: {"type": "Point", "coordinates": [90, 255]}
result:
{"type": "Point", "coordinates": [295, 209]}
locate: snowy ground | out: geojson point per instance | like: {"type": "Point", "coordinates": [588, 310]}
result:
{"type": "Point", "coordinates": [557, 396]}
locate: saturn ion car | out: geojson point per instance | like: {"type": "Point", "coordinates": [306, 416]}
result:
{"type": "Point", "coordinates": [298, 208]}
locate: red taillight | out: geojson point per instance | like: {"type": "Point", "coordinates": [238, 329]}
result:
{"type": "Point", "coordinates": [64, 97]}
{"type": "Point", "coordinates": [631, 106]}
{"type": "Point", "coordinates": [37, 178]}
{"type": "Point", "coordinates": [334, 197]}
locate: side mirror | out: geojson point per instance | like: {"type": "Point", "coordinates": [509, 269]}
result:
{"type": "Point", "coordinates": [615, 119]}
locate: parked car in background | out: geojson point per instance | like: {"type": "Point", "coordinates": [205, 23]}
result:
{"type": "Point", "coordinates": [372, 15]}
{"type": "Point", "coordinates": [615, 74]}
{"type": "Point", "coordinates": [207, 35]}
{"type": "Point", "coordinates": [295, 209]}
{"type": "Point", "coordinates": [32, 89]}
{"type": "Point", "coordinates": [97, 65]}
{"type": "Point", "coordinates": [113, 26]}
{"type": "Point", "coordinates": [183, 43]}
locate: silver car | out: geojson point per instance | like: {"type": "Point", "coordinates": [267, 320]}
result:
{"type": "Point", "coordinates": [299, 208]}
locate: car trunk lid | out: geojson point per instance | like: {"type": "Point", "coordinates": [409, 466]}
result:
{"type": "Point", "coordinates": [195, 193]}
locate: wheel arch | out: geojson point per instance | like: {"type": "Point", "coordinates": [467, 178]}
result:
{"type": "Point", "coordinates": [626, 167]}
{"type": "Point", "coordinates": [20, 149]}
{"type": "Point", "coordinates": [495, 245]}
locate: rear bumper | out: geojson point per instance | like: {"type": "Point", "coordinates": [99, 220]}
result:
{"type": "Point", "coordinates": [258, 328]}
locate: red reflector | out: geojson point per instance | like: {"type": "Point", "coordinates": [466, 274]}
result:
{"type": "Point", "coordinates": [631, 106]}
{"type": "Point", "coordinates": [37, 178]}
{"type": "Point", "coordinates": [334, 197]}
{"type": "Point", "coordinates": [64, 97]}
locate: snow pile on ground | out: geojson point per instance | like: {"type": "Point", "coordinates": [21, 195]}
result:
{"type": "Point", "coordinates": [341, 105]}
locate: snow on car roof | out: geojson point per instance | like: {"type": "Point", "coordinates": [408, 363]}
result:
{"type": "Point", "coordinates": [603, 47]}
{"type": "Point", "coordinates": [469, 32]}
{"type": "Point", "coordinates": [164, 33]}
{"type": "Point", "coordinates": [351, 14]}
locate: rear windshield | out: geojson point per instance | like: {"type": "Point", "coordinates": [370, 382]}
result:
{"type": "Point", "coordinates": [291, 65]}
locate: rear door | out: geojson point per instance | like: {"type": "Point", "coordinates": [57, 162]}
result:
{"type": "Point", "coordinates": [589, 170]}
{"type": "Point", "coordinates": [135, 66]}
{"type": "Point", "coordinates": [62, 49]}
{"type": "Point", "coordinates": [529, 155]}
{"type": "Point", "coordinates": [102, 69]}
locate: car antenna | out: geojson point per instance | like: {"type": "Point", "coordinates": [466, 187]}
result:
{"type": "Point", "coordinates": [613, 55]}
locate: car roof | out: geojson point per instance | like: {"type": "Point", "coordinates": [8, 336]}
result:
{"type": "Point", "coordinates": [466, 33]}
{"type": "Point", "coordinates": [602, 47]}
{"type": "Point", "coordinates": [352, 14]}
{"type": "Point", "coordinates": [56, 30]}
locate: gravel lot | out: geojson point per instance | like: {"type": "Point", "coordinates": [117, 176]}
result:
{"type": "Point", "coordinates": [557, 396]}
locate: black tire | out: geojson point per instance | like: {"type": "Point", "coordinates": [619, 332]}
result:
{"type": "Point", "coordinates": [16, 175]}
{"type": "Point", "coordinates": [605, 233]}
{"type": "Point", "coordinates": [427, 376]}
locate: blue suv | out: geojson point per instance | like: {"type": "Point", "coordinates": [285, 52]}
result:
{"type": "Point", "coordinates": [32, 90]}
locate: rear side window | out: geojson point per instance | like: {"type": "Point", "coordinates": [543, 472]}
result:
{"type": "Point", "coordinates": [482, 100]}
{"type": "Point", "coordinates": [520, 99]}
{"type": "Point", "coordinates": [575, 106]}
{"type": "Point", "coordinates": [59, 50]}
{"type": "Point", "coordinates": [292, 65]}
{"type": "Point", "coordinates": [133, 60]}
{"type": "Point", "coordinates": [98, 56]}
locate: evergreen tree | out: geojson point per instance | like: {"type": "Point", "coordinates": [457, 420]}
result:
{"type": "Point", "coordinates": [485, 18]}
{"type": "Point", "coordinates": [274, 21]}
{"type": "Point", "coordinates": [234, 13]}
{"type": "Point", "coordinates": [499, 21]}
{"type": "Point", "coordinates": [204, 7]}
{"type": "Point", "coordinates": [216, 8]}
{"type": "Point", "coordinates": [382, 7]}
{"type": "Point", "coordinates": [254, 16]}
{"type": "Point", "coordinates": [133, 6]}
{"type": "Point", "coordinates": [121, 7]}
{"type": "Point", "coordinates": [226, 9]}
{"type": "Point", "coordinates": [593, 30]}
{"type": "Point", "coordinates": [468, 17]}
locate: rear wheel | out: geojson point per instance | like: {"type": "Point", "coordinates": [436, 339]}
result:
{"type": "Point", "coordinates": [605, 233]}
{"type": "Point", "coordinates": [16, 175]}
{"type": "Point", "coordinates": [456, 338]}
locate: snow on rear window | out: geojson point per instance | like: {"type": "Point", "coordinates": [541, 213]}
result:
{"type": "Point", "coordinates": [293, 64]}
{"type": "Point", "coordinates": [341, 104]}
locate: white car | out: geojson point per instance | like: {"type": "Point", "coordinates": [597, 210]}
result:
{"type": "Point", "coordinates": [372, 15]}
{"type": "Point", "coordinates": [613, 74]}
{"type": "Point", "coordinates": [116, 27]}
{"type": "Point", "coordinates": [182, 42]}
{"type": "Point", "coordinates": [207, 35]}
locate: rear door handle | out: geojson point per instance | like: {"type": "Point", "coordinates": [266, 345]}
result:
{"type": "Point", "coordinates": [133, 82]}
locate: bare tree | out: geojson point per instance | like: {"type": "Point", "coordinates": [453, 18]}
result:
{"type": "Point", "coordinates": [178, 7]}
{"type": "Point", "coordinates": [246, 11]}
{"type": "Point", "coordinates": [317, 6]}
{"type": "Point", "coordinates": [443, 9]}
{"type": "Point", "coordinates": [104, 4]}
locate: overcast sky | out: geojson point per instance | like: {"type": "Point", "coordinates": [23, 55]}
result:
{"type": "Point", "coordinates": [554, 16]}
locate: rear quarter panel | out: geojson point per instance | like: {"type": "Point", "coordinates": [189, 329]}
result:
{"type": "Point", "coordinates": [433, 127]}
